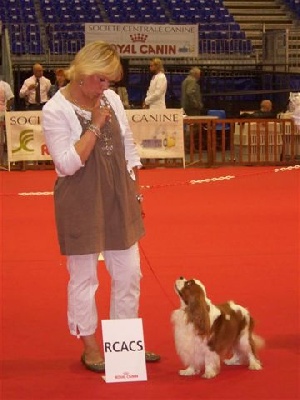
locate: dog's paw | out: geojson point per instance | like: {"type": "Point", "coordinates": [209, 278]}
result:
{"type": "Point", "coordinates": [209, 373]}
{"type": "Point", "coordinates": [235, 360]}
{"type": "Point", "coordinates": [189, 371]}
{"type": "Point", "coordinates": [255, 365]}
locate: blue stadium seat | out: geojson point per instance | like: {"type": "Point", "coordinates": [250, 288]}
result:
{"type": "Point", "coordinates": [18, 48]}
{"type": "Point", "coordinates": [217, 26]}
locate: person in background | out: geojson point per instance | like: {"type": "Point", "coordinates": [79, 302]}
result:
{"type": "Point", "coordinates": [265, 111]}
{"type": "Point", "coordinates": [120, 89]}
{"type": "Point", "coordinates": [6, 97]}
{"type": "Point", "coordinates": [35, 90]}
{"type": "Point", "coordinates": [156, 93]}
{"type": "Point", "coordinates": [191, 103]}
{"type": "Point", "coordinates": [60, 81]}
{"type": "Point", "coordinates": [6, 103]}
{"type": "Point", "coordinates": [191, 99]}
{"type": "Point", "coordinates": [98, 203]}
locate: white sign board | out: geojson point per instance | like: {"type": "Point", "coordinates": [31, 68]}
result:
{"type": "Point", "coordinates": [147, 40]}
{"type": "Point", "coordinates": [25, 139]}
{"type": "Point", "coordinates": [157, 134]}
{"type": "Point", "coordinates": [124, 350]}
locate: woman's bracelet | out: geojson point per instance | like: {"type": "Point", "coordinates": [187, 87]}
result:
{"type": "Point", "coordinates": [95, 129]}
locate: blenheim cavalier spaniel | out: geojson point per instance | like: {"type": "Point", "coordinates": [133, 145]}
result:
{"type": "Point", "coordinates": [206, 334]}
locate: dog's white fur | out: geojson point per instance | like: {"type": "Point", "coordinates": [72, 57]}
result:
{"type": "Point", "coordinates": [206, 350]}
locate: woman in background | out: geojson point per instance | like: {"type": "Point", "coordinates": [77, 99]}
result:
{"type": "Point", "coordinates": [156, 93]}
{"type": "Point", "coordinates": [60, 81]}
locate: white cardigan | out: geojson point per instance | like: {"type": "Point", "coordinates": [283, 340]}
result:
{"type": "Point", "coordinates": [156, 94]}
{"type": "Point", "coordinates": [62, 130]}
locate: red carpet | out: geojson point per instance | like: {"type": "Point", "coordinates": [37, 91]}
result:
{"type": "Point", "coordinates": [240, 236]}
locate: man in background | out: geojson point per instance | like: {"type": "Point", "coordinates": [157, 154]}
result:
{"type": "Point", "coordinates": [156, 94]}
{"type": "Point", "coordinates": [6, 102]}
{"type": "Point", "coordinates": [191, 103]}
{"type": "Point", "coordinates": [35, 89]}
{"type": "Point", "coordinates": [6, 97]}
{"type": "Point", "coordinates": [265, 111]}
{"type": "Point", "coordinates": [191, 99]}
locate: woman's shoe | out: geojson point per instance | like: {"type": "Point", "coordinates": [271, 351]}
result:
{"type": "Point", "coordinates": [95, 367]}
{"type": "Point", "coordinates": [151, 357]}
{"type": "Point", "coordinates": [100, 366]}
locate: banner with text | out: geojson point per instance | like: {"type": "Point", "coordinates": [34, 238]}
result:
{"type": "Point", "coordinates": [25, 139]}
{"type": "Point", "coordinates": [124, 350]}
{"type": "Point", "coordinates": [147, 40]}
{"type": "Point", "coordinates": [158, 134]}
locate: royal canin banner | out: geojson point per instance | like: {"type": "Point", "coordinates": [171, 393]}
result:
{"type": "Point", "coordinates": [141, 40]}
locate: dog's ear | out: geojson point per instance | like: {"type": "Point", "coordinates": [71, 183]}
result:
{"type": "Point", "coordinates": [198, 314]}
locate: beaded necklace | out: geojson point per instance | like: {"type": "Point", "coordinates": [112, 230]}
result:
{"type": "Point", "coordinates": [105, 138]}
{"type": "Point", "coordinates": [106, 133]}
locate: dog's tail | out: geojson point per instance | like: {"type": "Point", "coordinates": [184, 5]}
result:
{"type": "Point", "coordinates": [259, 341]}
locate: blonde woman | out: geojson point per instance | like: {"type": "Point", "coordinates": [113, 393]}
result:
{"type": "Point", "coordinates": [97, 198]}
{"type": "Point", "coordinates": [156, 94]}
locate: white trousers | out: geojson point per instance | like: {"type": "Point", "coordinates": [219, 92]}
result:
{"type": "Point", "coordinates": [124, 269]}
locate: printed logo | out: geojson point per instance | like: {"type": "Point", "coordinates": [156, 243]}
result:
{"type": "Point", "coordinates": [26, 136]}
{"type": "Point", "coordinates": [139, 37]}
{"type": "Point", "coordinates": [126, 375]}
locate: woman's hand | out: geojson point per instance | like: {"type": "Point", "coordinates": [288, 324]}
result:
{"type": "Point", "coordinates": [100, 114]}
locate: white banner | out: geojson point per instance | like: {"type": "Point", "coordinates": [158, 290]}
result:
{"type": "Point", "coordinates": [124, 350]}
{"type": "Point", "coordinates": [147, 40]}
{"type": "Point", "coordinates": [158, 134]}
{"type": "Point", "coordinates": [25, 139]}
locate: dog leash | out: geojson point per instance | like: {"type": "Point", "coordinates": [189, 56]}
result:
{"type": "Point", "coordinates": [156, 277]}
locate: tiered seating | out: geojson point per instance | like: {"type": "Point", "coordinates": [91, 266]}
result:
{"type": "Point", "coordinates": [294, 6]}
{"type": "Point", "coordinates": [198, 11]}
{"type": "Point", "coordinates": [65, 38]}
{"type": "Point", "coordinates": [70, 11]}
{"type": "Point", "coordinates": [64, 22]}
{"type": "Point", "coordinates": [218, 32]}
{"type": "Point", "coordinates": [130, 11]}
{"type": "Point", "coordinates": [25, 39]}
{"type": "Point", "coordinates": [224, 38]}
{"type": "Point", "coordinates": [18, 11]}
{"type": "Point", "coordinates": [21, 18]}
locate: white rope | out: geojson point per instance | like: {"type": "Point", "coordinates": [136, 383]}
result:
{"type": "Point", "coordinates": [35, 194]}
{"type": "Point", "coordinates": [290, 168]}
{"type": "Point", "coordinates": [191, 182]}
{"type": "Point", "coordinates": [220, 178]}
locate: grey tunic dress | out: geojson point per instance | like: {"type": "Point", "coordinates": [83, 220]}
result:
{"type": "Point", "coordinates": [96, 208]}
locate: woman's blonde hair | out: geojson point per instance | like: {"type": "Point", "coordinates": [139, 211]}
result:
{"type": "Point", "coordinates": [159, 64]}
{"type": "Point", "coordinates": [96, 58]}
